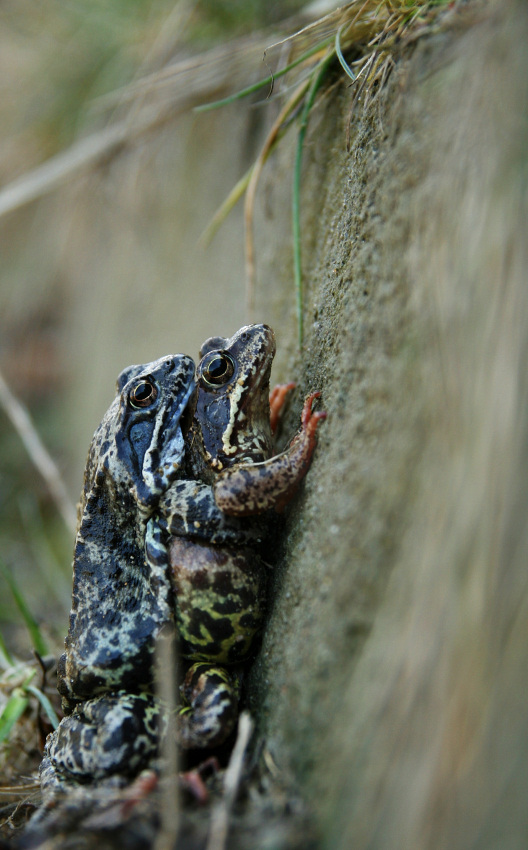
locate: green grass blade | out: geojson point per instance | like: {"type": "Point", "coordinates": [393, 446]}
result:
{"type": "Point", "coordinates": [225, 208]}
{"type": "Point", "coordinates": [39, 644]}
{"type": "Point", "coordinates": [318, 75]}
{"type": "Point", "coordinates": [266, 81]}
{"type": "Point", "coordinates": [13, 710]}
{"type": "Point", "coordinates": [342, 61]}
{"type": "Point", "coordinates": [45, 703]}
{"type": "Point", "coordinates": [7, 657]}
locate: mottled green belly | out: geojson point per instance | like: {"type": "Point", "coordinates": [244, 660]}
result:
{"type": "Point", "coordinates": [219, 594]}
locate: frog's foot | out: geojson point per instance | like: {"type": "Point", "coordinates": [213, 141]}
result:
{"type": "Point", "coordinates": [276, 400]}
{"type": "Point", "coordinates": [193, 781]}
{"type": "Point", "coordinates": [210, 710]}
{"type": "Point", "coordinates": [309, 422]}
{"type": "Point", "coordinates": [300, 451]}
{"type": "Point", "coordinates": [115, 734]}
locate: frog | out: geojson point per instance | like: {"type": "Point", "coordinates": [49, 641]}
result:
{"type": "Point", "coordinates": [212, 524]}
{"type": "Point", "coordinates": [120, 603]}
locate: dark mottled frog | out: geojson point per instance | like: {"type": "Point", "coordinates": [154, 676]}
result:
{"type": "Point", "coordinates": [218, 519]}
{"type": "Point", "coordinates": [120, 602]}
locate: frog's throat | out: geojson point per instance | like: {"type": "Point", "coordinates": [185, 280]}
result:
{"type": "Point", "coordinates": [237, 414]}
{"type": "Point", "coordinates": [234, 413]}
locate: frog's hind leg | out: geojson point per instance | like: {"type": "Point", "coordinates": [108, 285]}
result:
{"type": "Point", "coordinates": [115, 734]}
{"type": "Point", "coordinates": [210, 705]}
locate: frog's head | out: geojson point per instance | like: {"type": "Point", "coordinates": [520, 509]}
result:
{"type": "Point", "coordinates": [233, 396]}
{"type": "Point", "coordinates": [141, 440]}
{"type": "Point", "coordinates": [156, 408]}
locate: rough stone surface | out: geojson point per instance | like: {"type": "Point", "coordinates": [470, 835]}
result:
{"type": "Point", "coordinates": [388, 683]}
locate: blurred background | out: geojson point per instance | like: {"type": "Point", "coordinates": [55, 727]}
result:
{"type": "Point", "coordinates": [107, 268]}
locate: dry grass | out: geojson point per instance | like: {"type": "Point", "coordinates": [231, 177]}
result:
{"type": "Point", "coordinates": [372, 30]}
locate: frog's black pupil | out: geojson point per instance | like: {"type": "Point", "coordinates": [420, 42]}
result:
{"type": "Point", "coordinates": [143, 391]}
{"type": "Point", "coordinates": [217, 367]}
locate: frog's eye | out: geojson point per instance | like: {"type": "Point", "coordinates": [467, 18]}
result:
{"type": "Point", "coordinates": [216, 369]}
{"type": "Point", "coordinates": [143, 394]}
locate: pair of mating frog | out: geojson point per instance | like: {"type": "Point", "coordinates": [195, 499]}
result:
{"type": "Point", "coordinates": [179, 487]}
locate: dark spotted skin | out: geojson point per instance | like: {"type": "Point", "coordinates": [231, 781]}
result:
{"type": "Point", "coordinates": [220, 600]}
{"type": "Point", "coordinates": [210, 527]}
{"type": "Point", "coordinates": [211, 693]}
{"type": "Point", "coordinates": [120, 601]}
{"type": "Point", "coordinates": [232, 421]}
{"type": "Point", "coordinates": [114, 734]}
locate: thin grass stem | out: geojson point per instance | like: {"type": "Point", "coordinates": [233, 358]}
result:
{"type": "Point", "coordinates": [266, 81]}
{"type": "Point", "coordinates": [219, 826]}
{"type": "Point", "coordinates": [225, 208]}
{"type": "Point", "coordinates": [166, 665]}
{"type": "Point", "coordinates": [7, 657]}
{"type": "Point", "coordinates": [38, 453]}
{"type": "Point", "coordinates": [317, 79]}
{"type": "Point", "coordinates": [249, 205]}
{"type": "Point", "coordinates": [13, 711]}
{"type": "Point", "coordinates": [45, 703]}
{"type": "Point", "coordinates": [37, 640]}
{"type": "Point", "coordinates": [342, 61]}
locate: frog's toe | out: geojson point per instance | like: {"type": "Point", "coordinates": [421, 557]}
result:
{"type": "Point", "coordinates": [211, 695]}
{"type": "Point", "coordinates": [277, 398]}
{"type": "Point", "coordinates": [115, 734]}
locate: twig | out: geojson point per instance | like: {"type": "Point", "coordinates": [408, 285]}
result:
{"type": "Point", "coordinates": [53, 173]}
{"type": "Point", "coordinates": [38, 453]}
{"type": "Point", "coordinates": [165, 680]}
{"type": "Point", "coordinates": [221, 813]}
{"type": "Point", "coordinates": [19, 791]}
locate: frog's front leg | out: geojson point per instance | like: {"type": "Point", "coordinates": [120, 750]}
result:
{"type": "Point", "coordinates": [189, 510]}
{"type": "Point", "coordinates": [210, 696]}
{"type": "Point", "coordinates": [248, 489]}
{"type": "Point", "coordinates": [111, 735]}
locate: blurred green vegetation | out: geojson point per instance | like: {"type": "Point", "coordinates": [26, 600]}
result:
{"type": "Point", "coordinates": [234, 17]}
{"type": "Point", "coordinates": [71, 53]}
{"type": "Point", "coordinates": [68, 54]}
{"type": "Point", "coordinates": [58, 59]}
